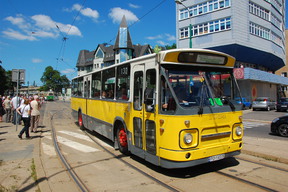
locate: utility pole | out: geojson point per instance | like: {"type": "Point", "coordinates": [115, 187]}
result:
{"type": "Point", "coordinates": [179, 2]}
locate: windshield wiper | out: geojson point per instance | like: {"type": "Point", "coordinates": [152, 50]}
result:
{"type": "Point", "coordinates": [232, 106]}
{"type": "Point", "coordinates": [200, 111]}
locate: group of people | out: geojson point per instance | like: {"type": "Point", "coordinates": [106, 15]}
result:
{"type": "Point", "coordinates": [21, 108]}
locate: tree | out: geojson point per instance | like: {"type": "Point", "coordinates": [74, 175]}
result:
{"type": "Point", "coordinates": [3, 78]}
{"type": "Point", "coordinates": [173, 46]}
{"type": "Point", "coordinates": [52, 79]}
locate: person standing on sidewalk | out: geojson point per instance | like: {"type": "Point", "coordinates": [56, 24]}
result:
{"type": "Point", "coordinates": [7, 106]}
{"type": "Point", "coordinates": [15, 102]}
{"type": "Point", "coordinates": [25, 111]}
{"type": "Point", "coordinates": [35, 113]}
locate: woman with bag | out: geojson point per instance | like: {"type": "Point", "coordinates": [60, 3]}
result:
{"type": "Point", "coordinates": [25, 111]}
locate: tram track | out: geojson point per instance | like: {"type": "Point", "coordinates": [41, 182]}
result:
{"type": "Point", "coordinates": [83, 187]}
{"type": "Point", "coordinates": [78, 181]}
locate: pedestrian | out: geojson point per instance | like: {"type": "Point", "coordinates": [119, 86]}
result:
{"type": "Point", "coordinates": [25, 111]}
{"type": "Point", "coordinates": [35, 113]}
{"type": "Point", "coordinates": [7, 106]}
{"type": "Point", "coordinates": [2, 111]}
{"type": "Point", "coordinates": [15, 102]}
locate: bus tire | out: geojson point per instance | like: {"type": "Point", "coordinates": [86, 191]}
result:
{"type": "Point", "coordinates": [122, 140]}
{"type": "Point", "coordinates": [80, 121]}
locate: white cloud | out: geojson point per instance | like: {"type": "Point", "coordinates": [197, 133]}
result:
{"type": "Point", "coordinates": [155, 37]}
{"type": "Point", "coordinates": [66, 71]}
{"type": "Point", "coordinates": [162, 43]}
{"type": "Point", "coordinates": [170, 37]}
{"type": "Point", "coordinates": [161, 38]}
{"type": "Point", "coordinates": [88, 12]}
{"type": "Point", "coordinates": [46, 23]}
{"type": "Point", "coordinates": [36, 60]}
{"type": "Point", "coordinates": [12, 34]}
{"type": "Point", "coordinates": [133, 6]}
{"type": "Point", "coordinates": [36, 27]}
{"type": "Point", "coordinates": [117, 13]}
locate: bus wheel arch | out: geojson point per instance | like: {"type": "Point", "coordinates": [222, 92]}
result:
{"type": "Point", "coordinates": [80, 119]}
{"type": "Point", "coordinates": [121, 137]}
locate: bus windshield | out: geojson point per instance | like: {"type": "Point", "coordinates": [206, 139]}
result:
{"type": "Point", "coordinates": [200, 87]}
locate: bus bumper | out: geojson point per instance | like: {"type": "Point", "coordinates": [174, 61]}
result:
{"type": "Point", "coordinates": [168, 164]}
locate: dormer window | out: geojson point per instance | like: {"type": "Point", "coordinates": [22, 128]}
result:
{"type": "Point", "coordinates": [99, 54]}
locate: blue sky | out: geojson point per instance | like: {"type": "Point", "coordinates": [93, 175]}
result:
{"type": "Point", "coordinates": [32, 31]}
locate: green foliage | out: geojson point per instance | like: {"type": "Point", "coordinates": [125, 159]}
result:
{"type": "Point", "coordinates": [173, 46]}
{"type": "Point", "coordinates": [6, 85]}
{"type": "Point", "coordinates": [52, 79]}
{"type": "Point", "coordinates": [3, 84]}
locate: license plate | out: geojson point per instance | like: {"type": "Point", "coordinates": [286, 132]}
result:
{"type": "Point", "coordinates": [283, 105]}
{"type": "Point", "coordinates": [216, 157]}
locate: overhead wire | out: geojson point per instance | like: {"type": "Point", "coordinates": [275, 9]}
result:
{"type": "Point", "coordinates": [65, 37]}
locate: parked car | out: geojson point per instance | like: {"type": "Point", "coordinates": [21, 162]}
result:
{"type": "Point", "coordinates": [263, 103]}
{"type": "Point", "coordinates": [279, 126]}
{"type": "Point", "coordinates": [282, 104]}
{"type": "Point", "coordinates": [246, 104]}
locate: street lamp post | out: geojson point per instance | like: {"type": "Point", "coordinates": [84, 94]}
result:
{"type": "Point", "coordinates": [179, 2]}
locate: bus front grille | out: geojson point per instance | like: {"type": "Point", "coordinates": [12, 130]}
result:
{"type": "Point", "coordinates": [210, 136]}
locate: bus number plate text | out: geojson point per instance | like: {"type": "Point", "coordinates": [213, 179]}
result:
{"type": "Point", "coordinates": [216, 157]}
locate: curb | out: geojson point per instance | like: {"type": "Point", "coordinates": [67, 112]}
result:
{"type": "Point", "coordinates": [265, 156]}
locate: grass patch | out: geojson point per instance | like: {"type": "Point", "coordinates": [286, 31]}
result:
{"type": "Point", "coordinates": [33, 171]}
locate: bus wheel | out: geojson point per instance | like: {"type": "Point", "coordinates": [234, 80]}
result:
{"type": "Point", "coordinates": [122, 140]}
{"type": "Point", "coordinates": [80, 121]}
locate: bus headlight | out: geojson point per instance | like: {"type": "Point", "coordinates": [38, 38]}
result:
{"type": "Point", "coordinates": [238, 131]}
{"type": "Point", "coordinates": [188, 138]}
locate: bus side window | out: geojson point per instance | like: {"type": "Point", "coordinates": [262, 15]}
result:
{"type": "Point", "coordinates": [150, 90]}
{"type": "Point", "coordinates": [122, 83]}
{"type": "Point", "coordinates": [138, 87]}
{"type": "Point", "coordinates": [108, 82]}
{"type": "Point", "coordinates": [96, 85]}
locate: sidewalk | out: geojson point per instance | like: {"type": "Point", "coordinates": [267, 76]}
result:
{"type": "Point", "coordinates": [18, 158]}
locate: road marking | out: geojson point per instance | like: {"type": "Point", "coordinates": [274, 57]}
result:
{"type": "Point", "coordinates": [251, 125]}
{"type": "Point", "coordinates": [84, 137]}
{"type": "Point", "coordinates": [76, 135]}
{"type": "Point", "coordinates": [76, 145]}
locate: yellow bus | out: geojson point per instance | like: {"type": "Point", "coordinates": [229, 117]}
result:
{"type": "Point", "coordinates": [174, 109]}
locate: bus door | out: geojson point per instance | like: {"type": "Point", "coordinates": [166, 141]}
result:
{"type": "Point", "coordinates": [143, 109]}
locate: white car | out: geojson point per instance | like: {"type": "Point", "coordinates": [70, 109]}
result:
{"type": "Point", "coordinates": [263, 103]}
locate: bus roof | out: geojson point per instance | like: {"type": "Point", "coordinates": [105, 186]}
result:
{"type": "Point", "coordinates": [204, 57]}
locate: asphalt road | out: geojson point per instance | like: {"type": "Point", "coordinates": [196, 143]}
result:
{"type": "Point", "coordinates": [257, 123]}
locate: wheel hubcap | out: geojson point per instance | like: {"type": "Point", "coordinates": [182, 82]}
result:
{"type": "Point", "coordinates": [283, 130]}
{"type": "Point", "coordinates": [80, 120]}
{"type": "Point", "coordinates": [122, 138]}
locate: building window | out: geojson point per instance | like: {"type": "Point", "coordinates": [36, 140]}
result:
{"type": "Point", "coordinates": [284, 74]}
{"type": "Point", "coordinates": [259, 11]}
{"type": "Point", "coordinates": [276, 21]}
{"type": "Point", "coordinates": [277, 40]}
{"type": "Point", "coordinates": [99, 54]}
{"type": "Point", "coordinates": [259, 31]}
{"type": "Point", "coordinates": [202, 8]}
{"type": "Point", "coordinates": [206, 28]}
